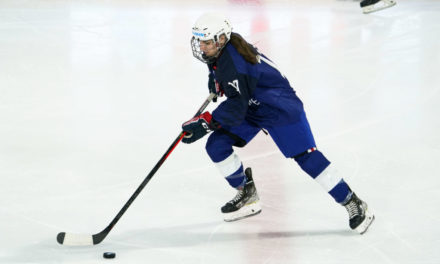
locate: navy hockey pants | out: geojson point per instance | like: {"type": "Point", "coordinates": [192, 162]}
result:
{"type": "Point", "coordinates": [292, 139]}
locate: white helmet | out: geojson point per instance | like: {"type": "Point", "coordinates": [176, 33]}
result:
{"type": "Point", "coordinates": [209, 26]}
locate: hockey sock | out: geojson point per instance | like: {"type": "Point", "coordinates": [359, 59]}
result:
{"type": "Point", "coordinates": [313, 163]}
{"type": "Point", "coordinates": [334, 184]}
{"type": "Point", "coordinates": [316, 165]}
{"type": "Point", "coordinates": [237, 179]}
{"type": "Point", "coordinates": [232, 169]}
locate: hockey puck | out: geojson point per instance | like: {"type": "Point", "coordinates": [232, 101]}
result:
{"type": "Point", "coordinates": [109, 255]}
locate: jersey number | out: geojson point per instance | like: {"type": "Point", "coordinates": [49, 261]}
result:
{"type": "Point", "coordinates": [234, 84]}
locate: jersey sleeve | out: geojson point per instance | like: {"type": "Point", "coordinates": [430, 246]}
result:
{"type": "Point", "coordinates": [238, 89]}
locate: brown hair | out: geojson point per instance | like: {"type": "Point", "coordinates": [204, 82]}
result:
{"type": "Point", "coordinates": [247, 50]}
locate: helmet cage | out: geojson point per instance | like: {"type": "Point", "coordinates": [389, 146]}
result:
{"type": "Point", "coordinates": [200, 55]}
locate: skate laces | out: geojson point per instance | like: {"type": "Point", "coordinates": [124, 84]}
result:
{"type": "Point", "coordinates": [238, 196]}
{"type": "Point", "coordinates": [353, 209]}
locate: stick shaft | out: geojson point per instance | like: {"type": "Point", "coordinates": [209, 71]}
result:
{"type": "Point", "coordinates": [100, 236]}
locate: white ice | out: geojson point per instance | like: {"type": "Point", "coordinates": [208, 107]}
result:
{"type": "Point", "coordinates": [92, 93]}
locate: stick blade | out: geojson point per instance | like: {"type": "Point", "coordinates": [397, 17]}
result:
{"type": "Point", "coordinates": [70, 239]}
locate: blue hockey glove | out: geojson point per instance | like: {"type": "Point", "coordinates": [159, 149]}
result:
{"type": "Point", "coordinates": [198, 127]}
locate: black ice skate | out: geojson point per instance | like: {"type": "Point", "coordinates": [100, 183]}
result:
{"type": "Point", "coordinates": [360, 217]}
{"type": "Point", "coordinates": [245, 204]}
{"type": "Point", "coordinates": [369, 6]}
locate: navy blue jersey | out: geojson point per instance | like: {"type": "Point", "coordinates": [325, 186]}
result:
{"type": "Point", "coordinates": [257, 93]}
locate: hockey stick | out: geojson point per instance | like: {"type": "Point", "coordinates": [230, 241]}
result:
{"type": "Point", "coordinates": [88, 240]}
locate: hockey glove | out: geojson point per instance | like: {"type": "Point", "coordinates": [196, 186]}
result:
{"type": "Point", "coordinates": [214, 87]}
{"type": "Point", "coordinates": [197, 127]}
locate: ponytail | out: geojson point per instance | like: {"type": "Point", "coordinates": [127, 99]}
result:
{"type": "Point", "coordinates": [248, 51]}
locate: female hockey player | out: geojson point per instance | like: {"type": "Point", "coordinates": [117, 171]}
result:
{"type": "Point", "coordinates": [258, 97]}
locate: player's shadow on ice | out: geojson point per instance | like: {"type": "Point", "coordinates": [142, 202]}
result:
{"type": "Point", "coordinates": [191, 235]}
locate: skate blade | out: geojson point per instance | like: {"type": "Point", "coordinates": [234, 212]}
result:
{"type": "Point", "coordinates": [377, 7]}
{"type": "Point", "coordinates": [244, 212]}
{"type": "Point", "coordinates": [363, 227]}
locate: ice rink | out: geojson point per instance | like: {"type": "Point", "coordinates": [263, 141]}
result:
{"type": "Point", "coordinates": [92, 93]}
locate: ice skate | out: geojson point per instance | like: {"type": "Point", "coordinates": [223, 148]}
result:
{"type": "Point", "coordinates": [369, 6]}
{"type": "Point", "coordinates": [360, 217]}
{"type": "Point", "coordinates": [245, 204]}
